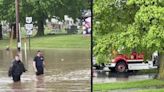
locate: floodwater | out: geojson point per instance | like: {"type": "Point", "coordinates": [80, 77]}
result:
{"type": "Point", "coordinates": [66, 71]}
{"type": "Point", "coordinates": [101, 76]}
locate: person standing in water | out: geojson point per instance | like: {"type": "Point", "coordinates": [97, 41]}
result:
{"type": "Point", "coordinates": [38, 63]}
{"type": "Point", "coordinates": [17, 68]}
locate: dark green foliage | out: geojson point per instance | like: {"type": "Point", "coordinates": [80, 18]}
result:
{"type": "Point", "coordinates": [135, 24]}
{"type": "Point", "coordinates": [41, 10]}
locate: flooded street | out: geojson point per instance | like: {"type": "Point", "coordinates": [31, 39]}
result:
{"type": "Point", "coordinates": [108, 77]}
{"type": "Point", "coordinates": [66, 71]}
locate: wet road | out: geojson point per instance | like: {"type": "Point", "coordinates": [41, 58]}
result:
{"type": "Point", "coordinates": [66, 71]}
{"type": "Point", "coordinates": [108, 77]}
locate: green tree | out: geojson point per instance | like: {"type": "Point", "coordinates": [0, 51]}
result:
{"type": "Point", "coordinates": [111, 20]}
{"type": "Point", "coordinates": [141, 27]}
{"type": "Point", "coordinates": [41, 10]}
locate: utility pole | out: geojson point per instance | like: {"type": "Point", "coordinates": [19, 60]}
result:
{"type": "Point", "coordinates": [17, 25]}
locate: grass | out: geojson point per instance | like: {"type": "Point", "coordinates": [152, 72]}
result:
{"type": "Point", "coordinates": [127, 85]}
{"type": "Point", "coordinates": [53, 41]}
{"type": "Point", "coordinates": [152, 90]}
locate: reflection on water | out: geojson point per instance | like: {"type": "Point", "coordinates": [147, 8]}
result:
{"type": "Point", "coordinates": [107, 77]}
{"type": "Point", "coordinates": [17, 87]}
{"type": "Point", "coordinates": [65, 71]}
{"type": "Point", "coordinates": [40, 81]}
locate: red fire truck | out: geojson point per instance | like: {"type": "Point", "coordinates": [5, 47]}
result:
{"type": "Point", "coordinates": [123, 63]}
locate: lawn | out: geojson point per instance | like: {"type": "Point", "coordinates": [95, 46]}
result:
{"type": "Point", "coordinates": [53, 41]}
{"type": "Point", "coordinates": [152, 90]}
{"type": "Point", "coordinates": [126, 85]}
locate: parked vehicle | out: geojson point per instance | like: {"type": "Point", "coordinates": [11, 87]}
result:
{"type": "Point", "coordinates": [123, 63]}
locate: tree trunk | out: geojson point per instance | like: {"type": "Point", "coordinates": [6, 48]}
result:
{"type": "Point", "coordinates": [1, 36]}
{"type": "Point", "coordinates": [40, 31]}
{"type": "Point", "coordinates": [13, 28]}
{"type": "Point", "coordinates": [161, 66]}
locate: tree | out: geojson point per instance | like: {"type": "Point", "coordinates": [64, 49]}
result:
{"type": "Point", "coordinates": [41, 10]}
{"type": "Point", "coordinates": [7, 10]}
{"type": "Point", "coordinates": [143, 30]}
{"type": "Point", "coordinates": [110, 19]}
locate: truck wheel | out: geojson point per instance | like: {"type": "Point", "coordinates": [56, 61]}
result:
{"type": "Point", "coordinates": [121, 67]}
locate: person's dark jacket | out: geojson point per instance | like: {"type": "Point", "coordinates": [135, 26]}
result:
{"type": "Point", "coordinates": [16, 69]}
